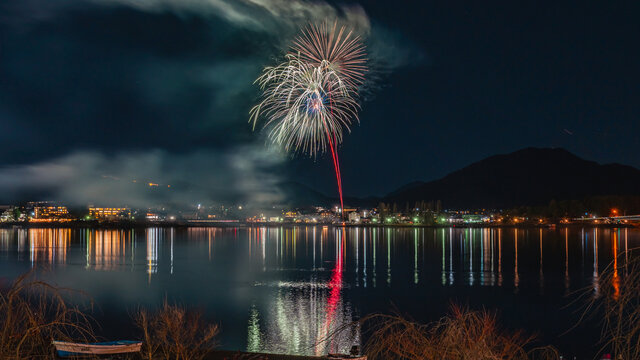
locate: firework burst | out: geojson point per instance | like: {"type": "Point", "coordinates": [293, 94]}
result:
{"type": "Point", "coordinates": [307, 108]}
{"type": "Point", "coordinates": [311, 98]}
{"type": "Point", "coordinates": [335, 47]}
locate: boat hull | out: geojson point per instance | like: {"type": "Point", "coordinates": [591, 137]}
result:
{"type": "Point", "coordinates": [68, 349]}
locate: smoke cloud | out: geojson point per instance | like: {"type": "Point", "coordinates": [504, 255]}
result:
{"type": "Point", "coordinates": [152, 178]}
{"type": "Point", "coordinates": [261, 15]}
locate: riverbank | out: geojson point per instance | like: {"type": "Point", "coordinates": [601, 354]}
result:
{"type": "Point", "coordinates": [93, 224]}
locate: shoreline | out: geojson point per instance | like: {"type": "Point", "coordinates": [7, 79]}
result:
{"type": "Point", "coordinates": [81, 224]}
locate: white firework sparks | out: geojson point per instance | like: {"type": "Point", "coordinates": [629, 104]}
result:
{"type": "Point", "coordinates": [307, 106]}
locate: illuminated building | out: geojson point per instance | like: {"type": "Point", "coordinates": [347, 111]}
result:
{"type": "Point", "coordinates": [109, 213]}
{"type": "Point", "coordinates": [5, 213]}
{"type": "Point", "coordinates": [50, 212]}
{"type": "Point", "coordinates": [473, 218]}
{"type": "Point", "coordinates": [348, 210]}
{"type": "Point", "coordinates": [152, 216]}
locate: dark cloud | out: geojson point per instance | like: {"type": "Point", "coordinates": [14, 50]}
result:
{"type": "Point", "coordinates": [83, 75]}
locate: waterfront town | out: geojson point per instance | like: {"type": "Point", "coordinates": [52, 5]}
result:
{"type": "Point", "coordinates": [423, 214]}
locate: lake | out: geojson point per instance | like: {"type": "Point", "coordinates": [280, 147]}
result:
{"type": "Point", "coordinates": [281, 289]}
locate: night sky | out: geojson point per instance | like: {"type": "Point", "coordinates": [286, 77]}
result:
{"type": "Point", "coordinates": [97, 93]}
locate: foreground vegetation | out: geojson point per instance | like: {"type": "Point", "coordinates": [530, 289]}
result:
{"type": "Point", "coordinates": [467, 334]}
{"type": "Point", "coordinates": [463, 334]}
{"type": "Point", "coordinates": [33, 312]}
{"type": "Point", "coordinates": [172, 332]}
{"type": "Point", "coordinates": [617, 299]}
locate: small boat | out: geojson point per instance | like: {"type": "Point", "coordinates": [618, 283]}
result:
{"type": "Point", "coordinates": [69, 349]}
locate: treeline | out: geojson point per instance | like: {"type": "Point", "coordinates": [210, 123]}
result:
{"type": "Point", "coordinates": [596, 205]}
{"type": "Point", "coordinates": [599, 205]}
{"type": "Point", "coordinates": [423, 212]}
{"type": "Point", "coordinates": [418, 206]}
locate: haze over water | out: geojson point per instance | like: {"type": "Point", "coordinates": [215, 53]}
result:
{"type": "Point", "coordinates": [283, 289]}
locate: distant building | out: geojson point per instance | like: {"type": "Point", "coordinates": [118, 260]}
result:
{"type": "Point", "coordinates": [152, 216]}
{"type": "Point", "coordinates": [325, 214]}
{"type": "Point", "coordinates": [290, 214]}
{"type": "Point", "coordinates": [474, 218]}
{"type": "Point", "coordinates": [50, 212]}
{"type": "Point", "coordinates": [6, 215]}
{"type": "Point", "coordinates": [11, 213]}
{"type": "Point", "coordinates": [110, 213]}
{"type": "Point", "coordinates": [354, 217]}
{"type": "Point", "coordinates": [346, 211]}
{"type": "Point", "coordinates": [455, 219]}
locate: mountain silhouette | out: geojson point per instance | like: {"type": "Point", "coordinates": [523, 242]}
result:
{"type": "Point", "coordinates": [528, 177]}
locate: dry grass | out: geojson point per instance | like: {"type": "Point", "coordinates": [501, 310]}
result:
{"type": "Point", "coordinates": [32, 314]}
{"type": "Point", "coordinates": [617, 298]}
{"type": "Point", "coordinates": [462, 335]}
{"type": "Point", "coordinates": [172, 332]}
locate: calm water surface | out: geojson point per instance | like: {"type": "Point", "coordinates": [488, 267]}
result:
{"type": "Point", "coordinates": [283, 289]}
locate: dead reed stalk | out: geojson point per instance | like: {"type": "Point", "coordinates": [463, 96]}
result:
{"type": "Point", "coordinates": [32, 314]}
{"type": "Point", "coordinates": [616, 297]}
{"type": "Point", "coordinates": [172, 332]}
{"type": "Point", "coordinates": [461, 335]}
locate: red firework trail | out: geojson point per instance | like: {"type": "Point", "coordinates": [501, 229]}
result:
{"type": "Point", "coordinates": [336, 162]}
{"type": "Point", "coordinates": [335, 286]}
{"type": "Point", "coordinates": [336, 165]}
